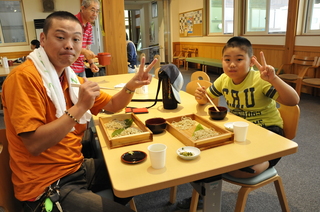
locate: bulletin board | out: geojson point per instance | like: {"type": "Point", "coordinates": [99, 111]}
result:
{"type": "Point", "coordinates": [190, 23]}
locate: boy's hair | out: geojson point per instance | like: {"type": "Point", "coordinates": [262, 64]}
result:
{"type": "Point", "coordinates": [240, 42]}
{"type": "Point", "coordinates": [60, 15]}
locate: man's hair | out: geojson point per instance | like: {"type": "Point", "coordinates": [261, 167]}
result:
{"type": "Point", "coordinates": [87, 3]}
{"type": "Point", "coordinates": [60, 15]}
{"type": "Point", "coordinates": [240, 42]}
{"type": "Point", "coordinates": [35, 43]}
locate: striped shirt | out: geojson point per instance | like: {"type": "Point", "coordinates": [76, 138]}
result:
{"type": "Point", "coordinates": [78, 65]}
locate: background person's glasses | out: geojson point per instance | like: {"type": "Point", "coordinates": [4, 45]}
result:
{"type": "Point", "coordinates": [94, 11]}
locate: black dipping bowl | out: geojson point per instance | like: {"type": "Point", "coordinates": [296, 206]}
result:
{"type": "Point", "coordinates": [214, 114]}
{"type": "Point", "coordinates": [156, 125]}
{"type": "Point", "coordinates": [133, 157]}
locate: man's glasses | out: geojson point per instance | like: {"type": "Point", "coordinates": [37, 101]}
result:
{"type": "Point", "coordinates": [94, 11]}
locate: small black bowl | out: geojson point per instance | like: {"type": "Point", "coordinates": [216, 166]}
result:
{"type": "Point", "coordinates": [215, 115]}
{"type": "Point", "coordinates": [156, 125]}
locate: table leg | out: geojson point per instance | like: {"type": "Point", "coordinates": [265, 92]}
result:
{"type": "Point", "coordinates": [173, 194]}
{"type": "Point", "coordinates": [210, 189]}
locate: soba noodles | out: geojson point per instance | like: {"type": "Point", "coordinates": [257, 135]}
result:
{"type": "Point", "coordinates": [122, 127]}
{"type": "Point", "coordinates": [185, 123]}
{"type": "Point", "coordinates": [116, 124]}
{"type": "Point", "coordinates": [204, 133]}
{"type": "Point", "coordinates": [129, 131]}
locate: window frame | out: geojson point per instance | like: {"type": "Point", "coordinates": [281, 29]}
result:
{"type": "Point", "coordinates": [267, 29]}
{"type": "Point", "coordinates": [223, 19]}
{"type": "Point", "coordinates": [2, 43]}
{"type": "Point", "coordinates": [307, 16]}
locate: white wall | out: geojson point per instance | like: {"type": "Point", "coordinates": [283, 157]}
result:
{"type": "Point", "coordinates": [33, 10]}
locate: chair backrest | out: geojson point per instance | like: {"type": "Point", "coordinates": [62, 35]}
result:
{"type": "Point", "coordinates": [192, 86]}
{"type": "Point", "coordinates": [305, 60]}
{"type": "Point", "coordinates": [299, 64]}
{"type": "Point", "coordinates": [199, 75]}
{"type": "Point", "coordinates": [157, 65]}
{"type": "Point", "coordinates": [290, 116]}
{"type": "Point", "coordinates": [185, 52]}
{"type": "Point", "coordinates": [142, 55]}
{"type": "Point", "coordinates": [177, 54]}
{"type": "Point", "coordinates": [7, 200]}
{"type": "Point", "coordinates": [193, 52]}
{"type": "Point", "coordinates": [156, 73]}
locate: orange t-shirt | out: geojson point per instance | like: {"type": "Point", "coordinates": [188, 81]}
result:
{"type": "Point", "coordinates": [26, 107]}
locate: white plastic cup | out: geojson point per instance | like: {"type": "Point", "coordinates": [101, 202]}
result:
{"type": "Point", "coordinates": [5, 63]}
{"type": "Point", "coordinates": [240, 130]}
{"type": "Point", "coordinates": [157, 153]}
{"type": "Point", "coordinates": [142, 90]}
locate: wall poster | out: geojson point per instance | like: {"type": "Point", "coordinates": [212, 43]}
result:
{"type": "Point", "coordinates": [191, 23]}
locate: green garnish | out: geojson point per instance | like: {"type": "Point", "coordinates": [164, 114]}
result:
{"type": "Point", "coordinates": [186, 153]}
{"type": "Point", "coordinates": [127, 122]}
{"type": "Point", "coordinates": [198, 127]}
{"type": "Point", "coordinates": [117, 132]}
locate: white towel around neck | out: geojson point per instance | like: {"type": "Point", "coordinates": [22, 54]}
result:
{"type": "Point", "coordinates": [52, 83]}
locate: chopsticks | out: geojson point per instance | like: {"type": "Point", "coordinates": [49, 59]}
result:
{"type": "Point", "coordinates": [209, 99]}
{"type": "Point", "coordinates": [78, 85]}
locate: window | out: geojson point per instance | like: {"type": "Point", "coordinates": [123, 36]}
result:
{"type": "Point", "coordinates": [12, 27]}
{"type": "Point", "coordinates": [266, 16]}
{"type": "Point", "coordinates": [220, 16]}
{"type": "Point", "coordinates": [312, 22]}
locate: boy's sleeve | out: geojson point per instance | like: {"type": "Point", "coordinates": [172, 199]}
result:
{"type": "Point", "coordinates": [214, 90]}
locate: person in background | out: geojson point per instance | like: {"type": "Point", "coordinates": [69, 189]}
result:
{"type": "Point", "coordinates": [132, 55]}
{"type": "Point", "coordinates": [89, 12]}
{"type": "Point", "coordinates": [46, 116]}
{"type": "Point", "coordinates": [249, 94]}
{"type": "Point", "coordinates": [34, 44]}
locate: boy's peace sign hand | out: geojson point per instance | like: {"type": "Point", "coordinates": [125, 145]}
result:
{"type": "Point", "coordinates": [267, 72]}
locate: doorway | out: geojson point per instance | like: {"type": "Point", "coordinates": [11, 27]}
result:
{"type": "Point", "coordinates": [148, 26]}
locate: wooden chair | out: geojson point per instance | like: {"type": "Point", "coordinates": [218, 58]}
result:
{"type": "Point", "coordinates": [182, 58]}
{"type": "Point", "coordinates": [297, 69]}
{"type": "Point", "coordinates": [192, 86]}
{"type": "Point", "coordinates": [193, 52]}
{"type": "Point", "coordinates": [142, 55]}
{"type": "Point", "coordinates": [311, 82]}
{"type": "Point", "coordinates": [8, 202]}
{"type": "Point", "coordinates": [156, 73]}
{"type": "Point", "coordinates": [157, 65]}
{"type": "Point", "coordinates": [175, 57]}
{"type": "Point", "coordinates": [199, 75]}
{"type": "Point", "coordinates": [290, 116]}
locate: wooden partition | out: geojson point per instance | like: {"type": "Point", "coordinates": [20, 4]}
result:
{"type": "Point", "coordinates": [272, 53]}
{"type": "Point", "coordinates": [14, 55]}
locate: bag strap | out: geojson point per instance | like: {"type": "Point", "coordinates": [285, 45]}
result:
{"type": "Point", "coordinates": [148, 100]}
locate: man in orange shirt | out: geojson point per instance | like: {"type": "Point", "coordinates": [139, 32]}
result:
{"type": "Point", "coordinates": [46, 117]}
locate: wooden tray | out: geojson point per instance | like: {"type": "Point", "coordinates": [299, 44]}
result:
{"type": "Point", "coordinates": [145, 136]}
{"type": "Point", "coordinates": [185, 136]}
